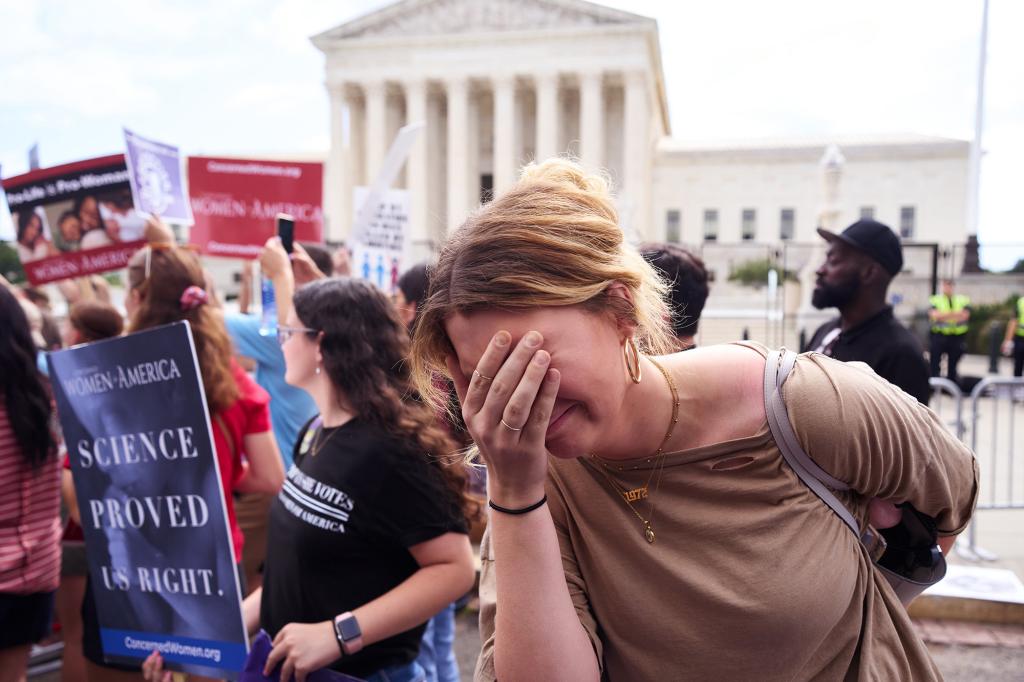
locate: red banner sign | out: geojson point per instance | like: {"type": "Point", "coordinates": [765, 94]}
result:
{"type": "Point", "coordinates": [74, 220]}
{"type": "Point", "coordinates": [81, 263]}
{"type": "Point", "coordinates": [235, 201]}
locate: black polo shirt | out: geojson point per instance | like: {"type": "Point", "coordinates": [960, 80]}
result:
{"type": "Point", "coordinates": [883, 344]}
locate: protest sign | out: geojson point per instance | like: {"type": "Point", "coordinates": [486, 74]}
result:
{"type": "Point", "coordinates": [154, 171]}
{"type": "Point", "coordinates": [73, 220]}
{"type": "Point", "coordinates": [372, 196]}
{"type": "Point", "coordinates": [161, 562]}
{"type": "Point", "coordinates": [235, 201]}
{"type": "Point", "coordinates": [379, 251]}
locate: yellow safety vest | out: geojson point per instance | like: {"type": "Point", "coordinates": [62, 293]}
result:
{"type": "Point", "coordinates": [1020, 317]}
{"type": "Point", "coordinates": [944, 305]}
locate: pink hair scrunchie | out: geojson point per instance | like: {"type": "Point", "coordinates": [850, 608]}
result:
{"type": "Point", "coordinates": [193, 297]}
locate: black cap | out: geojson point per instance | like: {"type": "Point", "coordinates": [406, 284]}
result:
{"type": "Point", "coordinates": [873, 238]}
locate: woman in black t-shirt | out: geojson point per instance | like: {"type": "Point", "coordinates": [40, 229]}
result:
{"type": "Point", "coordinates": [367, 539]}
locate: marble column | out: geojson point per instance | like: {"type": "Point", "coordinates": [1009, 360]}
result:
{"type": "Point", "coordinates": [357, 139]}
{"type": "Point", "coordinates": [504, 133]}
{"type": "Point", "coordinates": [376, 127]}
{"type": "Point", "coordinates": [636, 166]}
{"type": "Point", "coordinates": [547, 115]}
{"type": "Point", "coordinates": [336, 200]}
{"type": "Point", "coordinates": [353, 161]}
{"type": "Point", "coordinates": [458, 150]}
{"type": "Point", "coordinates": [416, 169]}
{"type": "Point", "coordinates": [592, 118]}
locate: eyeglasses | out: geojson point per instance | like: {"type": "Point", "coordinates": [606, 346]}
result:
{"type": "Point", "coordinates": [284, 333]}
{"type": "Point", "coordinates": [157, 246]}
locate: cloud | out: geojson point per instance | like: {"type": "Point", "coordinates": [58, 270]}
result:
{"type": "Point", "coordinates": [804, 67]}
{"type": "Point", "coordinates": [91, 85]}
{"type": "Point", "coordinates": [240, 76]}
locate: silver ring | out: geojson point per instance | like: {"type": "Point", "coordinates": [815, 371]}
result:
{"type": "Point", "coordinates": [508, 426]}
{"type": "Point", "coordinates": [483, 376]}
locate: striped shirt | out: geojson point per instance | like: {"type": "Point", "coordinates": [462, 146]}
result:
{"type": "Point", "coordinates": [29, 519]}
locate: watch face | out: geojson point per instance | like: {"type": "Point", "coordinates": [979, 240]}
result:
{"type": "Point", "coordinates": [349, 629]}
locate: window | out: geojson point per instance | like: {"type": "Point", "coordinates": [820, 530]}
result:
{"type": "Point", "coordinates": [749, 223]}
{"type": "Point", "coordinates": [711, 225]}
{"type": "Point", "coordinates": [787, 221]}
{"type": "Point", "coordinates": [673, 222]}
{"type": "Point", "coordinates": [907, 219]}
{"type": "Point", "coordinates": [867, 212]}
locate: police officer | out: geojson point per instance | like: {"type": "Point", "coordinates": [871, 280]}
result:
{"type": "Point", "coordinates": [950, 314]}
{"type": "Point", "coordinates": [1013, 343]}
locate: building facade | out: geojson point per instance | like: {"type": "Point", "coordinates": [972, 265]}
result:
{"type": "Point", "coordinates": [500, 83]}
{"type": "Point", "coordinates": [772, 190]}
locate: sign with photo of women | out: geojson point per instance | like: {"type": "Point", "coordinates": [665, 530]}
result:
{"type": "Point", "coordinates": [138, 437]}
{"type": "Point", "coordinates": [155, 174]}
{"type": "Point", "coordinates": [74, 220]}
{"type": "Point", "coordinates": [235, 202]}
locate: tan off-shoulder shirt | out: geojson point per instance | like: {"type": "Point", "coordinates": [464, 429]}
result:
{"type": "Point", "coordinates": [752, 577]}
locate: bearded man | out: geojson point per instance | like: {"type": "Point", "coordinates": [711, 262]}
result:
{"type": "Point", "coordinates": [859, 265]}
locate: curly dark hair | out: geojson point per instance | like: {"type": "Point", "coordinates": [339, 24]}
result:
{"type": "Point", "coordinates": [25, 391]}
{"type": "Point", "coordinates": [365, 348]}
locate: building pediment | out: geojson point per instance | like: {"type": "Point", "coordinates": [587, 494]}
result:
{"type": "Point", "coordinates": [419, 18]}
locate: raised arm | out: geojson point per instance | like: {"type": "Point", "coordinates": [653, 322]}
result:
{"type": "Point", "coordinates": [276, 266]}
{"type": "Point", "coordinates": [537, 632]}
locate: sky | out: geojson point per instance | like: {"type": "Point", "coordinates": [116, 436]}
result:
{"type": "Point", "coordinates": [241, 77]}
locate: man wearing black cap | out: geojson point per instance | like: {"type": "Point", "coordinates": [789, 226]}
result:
{"type": "Point", "coordinates": [859, 265]}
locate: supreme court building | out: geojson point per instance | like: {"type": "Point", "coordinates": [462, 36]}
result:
{"type": "Point", "coordinates": [500, 83]}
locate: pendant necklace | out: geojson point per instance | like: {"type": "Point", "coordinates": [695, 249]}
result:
{"type": "Point", "coordinates": [643, 492]}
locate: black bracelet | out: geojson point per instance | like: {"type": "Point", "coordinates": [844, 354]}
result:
{"type": "Point", "coordinates": [514, 512]}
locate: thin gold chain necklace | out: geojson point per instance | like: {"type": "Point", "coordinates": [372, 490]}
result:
{"type": "Point", "coordinates": [637, 494]}
{"type": "Point", "coordinates": [319, 444]}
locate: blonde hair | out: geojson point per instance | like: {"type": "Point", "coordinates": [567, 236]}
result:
{"type": "Point", "coordinates": [552, 240]}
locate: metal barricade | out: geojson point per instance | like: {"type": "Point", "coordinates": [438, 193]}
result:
{"type": "Point", "coordinates": [995, 404]}
{"type": "Point", "coordinates": [941, 388]}
{"type": "Point", "coordinates": [948, 403]}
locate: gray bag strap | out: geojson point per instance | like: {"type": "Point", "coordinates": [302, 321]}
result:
{"type": "Point", "coordinates": [776, 369]}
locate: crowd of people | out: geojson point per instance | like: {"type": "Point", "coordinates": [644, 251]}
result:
{"type": "Point", "coordinates": [541, 376]}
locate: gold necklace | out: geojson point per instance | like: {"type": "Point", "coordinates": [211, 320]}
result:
{"type": "Point", "coordinates": [637, 494]}
{"type": "Point", "coordinates": [318, 445]}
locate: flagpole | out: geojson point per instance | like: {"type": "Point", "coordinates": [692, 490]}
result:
{"type": "Point", "coordinates": [973, 195]}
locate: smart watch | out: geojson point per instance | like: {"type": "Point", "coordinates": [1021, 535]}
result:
{"type": "Point", "coordinates": [348, 633]}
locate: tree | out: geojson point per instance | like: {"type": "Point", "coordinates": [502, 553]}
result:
{"type": "Point", "coordinates": [10, 264]}
{"type": "Point", "coordinates": [754, 273]}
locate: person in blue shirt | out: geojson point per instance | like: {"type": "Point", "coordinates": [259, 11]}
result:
{"type": "Point", "coordinates": [290, 407]}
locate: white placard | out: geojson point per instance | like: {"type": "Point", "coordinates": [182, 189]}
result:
{"type": "Point", "coordinates": [393, 162]}
{"type": "Point", "coordinates": [379, 253]}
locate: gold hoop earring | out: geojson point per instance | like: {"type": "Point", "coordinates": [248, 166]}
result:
{"type": "Point", "coordinates": [632, 366]}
